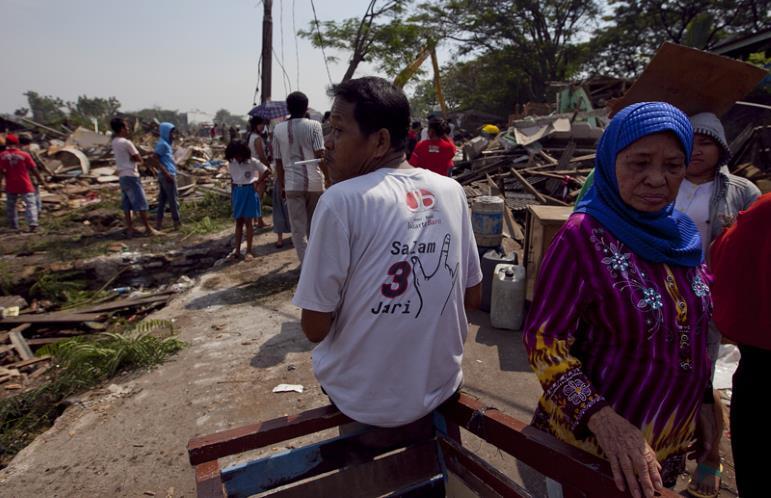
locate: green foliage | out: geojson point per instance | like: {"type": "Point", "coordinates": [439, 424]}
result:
{"type": "Point", "coordinates": [80, 363]}
{"type": "Point", "coordinates": [380, 35]}
{"type": "Point", "coordinates": [46, 109]}
{"type": "Point", "coordinates": [86, 109]}
{"type": "Point", "coordinates": [178, 119]}
{"type": "Point", "coordinates": [636, 28]}
{"type": "Point", "coordinates": [537, 40]}
{"type": "Point", "coordinates": [224, 116]}
{"type": "Point", "coordinates": [207, 215]}
{"type": "Point", "coordinates": [58, 287]}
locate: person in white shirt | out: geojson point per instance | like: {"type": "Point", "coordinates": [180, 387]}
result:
{"type": "Point", "coordinates": [712, 197]}
{"type": "Point", "coordinates": [390, 264]}
{"type": "Point", "coordinates": [247, 175]}
{"type": "Point", "coordinates": [257, 148]}
{"type": "Point", "coordinates": [127, 159]}
{"type": "Point", "coordinates": [298, 148]}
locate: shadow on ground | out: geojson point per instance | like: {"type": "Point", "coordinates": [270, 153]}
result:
{"type": "Point", "coordinates": [511, 352]}
{"type": "Point", "coordinates": [275, 350]}
{"type": "Point", "coordinates": [279, 280]}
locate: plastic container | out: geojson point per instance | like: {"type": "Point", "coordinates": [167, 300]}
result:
{"type": "Point", "coordinates": [487, 220]}
{"type": "Point", "coordinates": [489, 260]}
{"type": "Point", "coordinates": [507, 308]}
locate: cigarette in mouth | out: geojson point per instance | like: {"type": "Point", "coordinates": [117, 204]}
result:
{"type": "Point", "coordinates": [308, 161]}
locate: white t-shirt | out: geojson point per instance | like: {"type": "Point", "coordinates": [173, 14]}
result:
{"type": "Point", "coordinates": [123, 149]}
{"type": "Point", "coordinates": [247, 172]}
{"type": "Point", "coordinates": [391, 253]}
{"type": "Point", "coordinates": [298, 140]}
{"type": "Point", "coordinates": [693, 200]}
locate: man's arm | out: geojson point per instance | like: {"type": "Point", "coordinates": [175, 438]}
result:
{"type": "Point", "coordinates": [319, 154]}
{"type": "Point", "coordinates": [472, 299]}
{"type": "Point", "coordinates": [316, 324]}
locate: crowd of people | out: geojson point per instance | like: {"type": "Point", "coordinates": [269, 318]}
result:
{"type": "Point", "coordinates": [665, 256]}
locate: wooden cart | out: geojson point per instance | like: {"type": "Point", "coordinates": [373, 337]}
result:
{"type": "Point", "coordinates": [434, 466]}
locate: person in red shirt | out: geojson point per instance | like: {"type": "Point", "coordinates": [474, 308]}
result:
{"type": "Point", "coordinates": [741, 293]}
{"type": "Point", "coordinates": [436, 153]}
{"type": "Point", "coordinates": [15, 166]}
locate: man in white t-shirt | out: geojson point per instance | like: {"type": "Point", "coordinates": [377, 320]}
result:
{"type": "Point", "coordinates": [127, 159]}
{"type": "Point", "coordinates": [298, 148]}
{"type": "Point", "coordinates": [390, 264]}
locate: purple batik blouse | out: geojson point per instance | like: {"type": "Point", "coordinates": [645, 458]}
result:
{"type": "Point", "coordinates": [608, 327]}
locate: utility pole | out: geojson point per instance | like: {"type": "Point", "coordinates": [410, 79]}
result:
{"type": "Point", "coordinates": [267, 50]}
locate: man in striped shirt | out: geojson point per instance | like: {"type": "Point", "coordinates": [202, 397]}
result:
{"type": "Point", "coordinates": [298, 147]}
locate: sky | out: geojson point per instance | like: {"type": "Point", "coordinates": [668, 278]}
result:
{"type": "Point", "coordinates": [187, 55]}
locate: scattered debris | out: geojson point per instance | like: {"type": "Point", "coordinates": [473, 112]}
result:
{"type": "Point", "coordinates": [288, 388]}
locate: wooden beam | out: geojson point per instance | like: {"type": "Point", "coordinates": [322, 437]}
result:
{"type": "Point", "coordinates": [220, 444]}
{"type": "Point", "coordinates": [52, 318]}
{"type": "Point", "coordinates": [21, 346]}
{"type": "Point", "coordinates": [208, 481]}
{"type": "Point", "coordinates": [4, 335]}
{"type": "Point", "coordinates": [26, 363]}
{"type": "Point", "coordinates": [539, 196]}
{"type": "Point", "coordinates": [121, 304]}
{"type": "Point", "coordinates": [570, 466]}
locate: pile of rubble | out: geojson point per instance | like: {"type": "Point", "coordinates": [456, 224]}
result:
{"type": "Point", "coordinates": [80, 165]}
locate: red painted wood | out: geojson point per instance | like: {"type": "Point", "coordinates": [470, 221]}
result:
{"type": "Point", "coordinates": [249, 437]}
{"type": "Point", "coordinates": [208, 481]}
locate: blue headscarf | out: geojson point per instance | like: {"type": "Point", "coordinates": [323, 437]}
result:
{"type": "Point", "coordinates": [666, 236]}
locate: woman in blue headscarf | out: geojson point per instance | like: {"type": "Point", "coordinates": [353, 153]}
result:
{"type": "Point", "coordinates": [617, 331]}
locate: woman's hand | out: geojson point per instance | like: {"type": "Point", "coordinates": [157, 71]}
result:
{"type": "Point", "coordinates": [631, 457]}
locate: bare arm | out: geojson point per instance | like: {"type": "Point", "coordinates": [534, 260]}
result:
{"type": "Point", "coordinates": [136, 158]}
{"type": "Point", "coordinates": [316, 324]}
{"type": "Point", "coordinates": [323, 167]}
{"type": "Point", "coordinates": [260, 149]}
{"type": "Point", "coordinates": [472, 299]}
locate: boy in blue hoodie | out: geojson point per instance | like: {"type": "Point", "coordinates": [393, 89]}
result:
{"type": "Point", "coordinates": [167, 176]}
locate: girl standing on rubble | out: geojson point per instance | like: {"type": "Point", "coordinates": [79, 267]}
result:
{"type": "Point", "coordinates": [247, 175]}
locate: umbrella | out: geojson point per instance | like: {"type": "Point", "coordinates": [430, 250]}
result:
{"type": "Point", "coordinates": [270, 110]}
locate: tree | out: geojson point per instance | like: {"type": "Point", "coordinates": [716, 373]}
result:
{"type": "Point", "coordinates": [46, 109]}
{"type": "Point", "coordinates": [636, 28]}
{"type": "Point", "coordinates": [393, 44]}
{"type": "Point", "coordinates": [539, 38]}
{"type": "Point", "coordinates": [178, 119]}
{"type": "Point", "coordinates": [224, 116]}
{"type": "Point", "coordinates": [85, 110]}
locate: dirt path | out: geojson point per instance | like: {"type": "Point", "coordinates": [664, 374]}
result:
{"type": "Point", "coordinates": [129, 438]}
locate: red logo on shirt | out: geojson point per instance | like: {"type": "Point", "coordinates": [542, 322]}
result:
{"type": "Point", "coordinates": [420, 200]}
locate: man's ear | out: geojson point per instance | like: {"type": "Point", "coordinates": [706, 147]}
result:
{"type": "Point", "coordinates": [383, 142]}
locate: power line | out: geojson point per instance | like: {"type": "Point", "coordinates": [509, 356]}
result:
{"type": "Point", "coordinates": [321, 42]}
{"type": "Point", "coordinates": [286, 76]}
{"type": "Point", "coordinates": [281, 24]}
{"type": "Point", "coordinates": [296, 46]}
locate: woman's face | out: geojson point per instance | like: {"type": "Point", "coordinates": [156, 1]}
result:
{"type": "Point", "coordinates": [706, 154]}
{"type": "Point", "coordinates": [649, 172]}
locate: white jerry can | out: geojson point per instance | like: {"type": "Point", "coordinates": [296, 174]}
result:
{"type": "Point", "coordinates": [507, 304]}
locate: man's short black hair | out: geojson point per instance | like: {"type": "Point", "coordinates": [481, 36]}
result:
{"type": "Point", "coordinates": [117, 124]}
{"type": "Point", "coordinates": [416, 125]}
{"type": "Point", "coordinates": [297, 104]}
{"type": "Point", "coordinates": [377, 104]}
{"type": "Point", "coordinates": [256, 120]}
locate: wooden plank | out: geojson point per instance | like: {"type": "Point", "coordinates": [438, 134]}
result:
{"type": "Point", "coordinates": [567, 155]}
{"type": "Point", "coordinates": [541, 451]}
{"type": "Point", "coordinates": [52, 318]}
{"type": "Point", "coordinates": [31, 361]}
{"type": "Point", "coordinates": [230, 442]}
{"type": "Point", "coordinates": [4, 335]}
{"type": "Point", "coordinates": [123, 303]}
{"type": "Point", "coordinates": [297, 464]}
{"type": "Point", "coordinates": [208, 482]}
{"type": "Point", "coordinates": [433, 488]}
{"type": "Point", "coordinates": [411, 466]}
{"type": "Point", "coordinates": [528, 187]}
{"type": "Point", "coordinates": [479, 475]}
{"type": "Point", "coordinates": [21, 346]}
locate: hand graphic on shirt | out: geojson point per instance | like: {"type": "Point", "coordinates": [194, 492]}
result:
{"type": "Point", "coordinates": [441, 281]}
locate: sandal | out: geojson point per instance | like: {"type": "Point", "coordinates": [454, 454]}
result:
{"type": "Point", "coordinates": [703, 471]}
